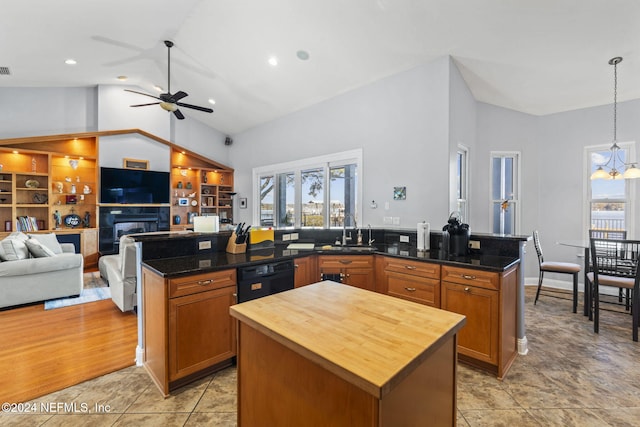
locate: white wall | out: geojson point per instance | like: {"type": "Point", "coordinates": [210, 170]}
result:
{"type": "Point", "coordinates": [400, 122]}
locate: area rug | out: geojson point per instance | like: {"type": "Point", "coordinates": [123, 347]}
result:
{"type": "Point", "coordinates": [95, 289]}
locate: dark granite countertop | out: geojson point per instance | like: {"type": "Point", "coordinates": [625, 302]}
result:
{"type": "Point", "coordinates": [202, 263]}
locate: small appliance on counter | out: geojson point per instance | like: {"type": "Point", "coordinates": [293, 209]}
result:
{"type": "Point", "coordinates": [423, 240]}
{"type": "Point", "coordinates": [455, 236]}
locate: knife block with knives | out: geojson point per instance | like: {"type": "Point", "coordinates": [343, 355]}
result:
{"type": "Point", "coordinates": [236, 248]}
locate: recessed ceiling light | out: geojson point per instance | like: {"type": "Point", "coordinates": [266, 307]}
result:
{"type": "Point", "coordinates": [158, 88]}
{"type": "Point", "coordinates": [302, 55]}
{"type": "Point", "coordinates": [273, 61]}
{"type": "Point", "coordinates": [212, 101]}
{"type": "Point", "coordinates": [70, 61]}
{"type": "Point", "coordinates": [122, 78]}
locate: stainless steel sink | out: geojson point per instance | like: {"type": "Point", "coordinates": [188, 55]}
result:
{"type": "Point", "coordinates": [338, 248]}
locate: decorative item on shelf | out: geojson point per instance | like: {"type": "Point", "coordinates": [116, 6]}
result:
{"type": "Point", "coordinates": [8, 226]}
{"type": "Point", "coordinates": [72, 220]}
{"type": "Point", "coordinates": [190, 217]}
{"type": "Point", "coordinates": [183, 201]}
{"type": "Point", "coordinates": [59, 186]}
{"type": "Point", "coordinates": [189, 186]}
{"type": "Point", "coordinates": [40, 224]}
{"type": "Point", "coordinates": [2, 200]}
{"type": "Point", "coordinates": [221, 179]}
{"type": "Point", "coordinates": [183, 172]}
{"type": "Point", "coordinates": [86, 222]}
{"type": "Point", "coordinates": [57, 219]}
{"type": "Point", "coordinates": [73, 189]}
{"type": "Point", "coordinates": [31, 183]}
{"type": "Point", "coordinates": [135, 164]}
{"type": "Point", "coordinates": [40, 198]}
{"type": "Point", "coordinates": [77, 178]}
{"type": "Point", "coordinates": [82, 197]}
{"type": "Point", "coordinates": [631, 171]}
{"type": "Point", "coordinates": [206, 191]}
{"type": "Point", "coordinates": [34, 165]}
{"type": "Point", "coordinates": [176, 219]}
{"type": "Point", "coordinates": [204, 176]}
{"type": "Point", "coordinates": [73, 163]}
{"type": "Point", "coordinates": [67, 178]}
{"type": "Point", "coordinates": [192, 194]}
{"type": "Point", "coordinates": [194, 203]}
{"type": "Point", "coordinates": [179, 184]}
{"type": "Point", "coordinates": [1, 166]}
{"type": "Point", "coordinates": [71, 199]}
{"type": "Point", "coordinates": [86, 189]}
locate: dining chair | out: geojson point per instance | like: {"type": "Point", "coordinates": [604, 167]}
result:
{"type": "Point", "coordinates": [595, 233]}
{"type": "Point", "coordinates": [615, 263]}
{"type": "Point", "coordinates": [555, 267]}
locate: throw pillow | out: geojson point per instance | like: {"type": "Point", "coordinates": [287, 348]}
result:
{"type": "Point", "coordinates": [14, 249]}
{"type": "Point", "coordinates": [49, 240]}
{"type": "Point", "coordinates": [37, 249]}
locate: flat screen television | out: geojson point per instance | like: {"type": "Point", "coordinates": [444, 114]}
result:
{"type": "Point", "coordinates": [132, 186]}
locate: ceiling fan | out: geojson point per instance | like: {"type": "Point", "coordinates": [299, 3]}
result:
{"type": "Point", "coordinates": [168, 101]}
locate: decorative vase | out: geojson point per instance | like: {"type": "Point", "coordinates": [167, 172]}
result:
{"type": "Point", "coordinates": [189, 186]}
{"type": "Point", "coordinates": [179, 184]}
{"type": "Point", "coordinates": [176, 219]}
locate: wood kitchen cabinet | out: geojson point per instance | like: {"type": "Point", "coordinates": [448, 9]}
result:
{"type": "Point", "coordinates": [188, 331]}
{"type": "Point", "coordinates": [354, 270]}
{"type": "Point", "coordinates": [306, 271]}
{"type": "Point", "coordinates": [488, 300]}
{"type": "Point", "coordinates": [412, 280]}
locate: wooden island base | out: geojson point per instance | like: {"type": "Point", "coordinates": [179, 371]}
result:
{"type": "Point", "coordinates": [367, 362]}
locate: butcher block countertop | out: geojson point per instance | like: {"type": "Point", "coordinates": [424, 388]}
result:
{"type": "Point", "coordinates": [370, 340]}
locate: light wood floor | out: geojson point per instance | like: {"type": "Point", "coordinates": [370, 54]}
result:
{"type": "Point", "coordinates": [45, 351]}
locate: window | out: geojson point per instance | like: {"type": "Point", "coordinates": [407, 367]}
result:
{"type": "Point", "coordinates": [320, 192]}
{"type": "Point", "coordinates": [505, 185]}
{"type": "Point", "coordinates": [462, 182]}
{"type": "Point", "coordinates": [608, 204]}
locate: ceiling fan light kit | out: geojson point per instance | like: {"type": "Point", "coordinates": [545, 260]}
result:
{"type": "Point", "coordinates": [168, 101]}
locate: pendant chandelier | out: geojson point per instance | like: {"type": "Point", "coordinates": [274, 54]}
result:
{"type": "Point", "coordinates": [615, 161]}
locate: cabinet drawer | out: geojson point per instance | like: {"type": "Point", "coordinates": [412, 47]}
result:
{"type": "Point", "coordinates": [423, 269]}
{"type": "Point", "coordinates": [465, 276]}
{"type": "Point", "coordinates": [201, 282]}
{"type": "Point", "coordinates": [417, 289]}
{"type": "Point", "coordinates": [346, 261]}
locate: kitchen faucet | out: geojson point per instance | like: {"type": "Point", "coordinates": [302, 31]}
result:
{"type": "Point", "coordinates": [370, 239]}
{"type": "Point", "coordinates": [344, 228]}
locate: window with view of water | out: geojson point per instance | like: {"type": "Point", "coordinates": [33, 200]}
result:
{"type": "Point", "coordinates": [608, 198]}
{"type": "Point", "coordinates": [320, 196]}
{"type": "Point", "coordinates": [505, 177]}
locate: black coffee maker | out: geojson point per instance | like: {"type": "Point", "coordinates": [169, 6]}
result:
{"type": "Point", "coordinates": [455, 236]}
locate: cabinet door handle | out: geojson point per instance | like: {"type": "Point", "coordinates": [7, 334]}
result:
{"type": "Point", "coordinates": [468, 277]}
{"type": "Point", "coordinates": [467, 289]}
{"type": "Point", "coordinates": [409, 267]}
{"type": "Point", "coordinates": [205, 282]}
{"type": "Point", "coordinates": [345, 261]}
{"type": "Point", "coordinates": [295, 265]}
{"type": "Point", "coordinates": [411, 289]}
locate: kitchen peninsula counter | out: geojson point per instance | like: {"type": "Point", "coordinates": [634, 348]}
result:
{"type": "Point", "coordinates": [328, 354]}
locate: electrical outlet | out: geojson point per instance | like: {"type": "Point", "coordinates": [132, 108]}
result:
{"type": "Point", "coordinates": [205, 244]}
{"type": "Point", "coordinates": [387, 220]}
{"type": "Point", "coordinates": [396, 220]}
{"type": "Point", "coordinates": [474, 244]}
{"type": "Point", "coordinates": [404, 239]}
{"type": "Point", "coordinates": [294, 236]}
{"type": "Point", "coordinates": [286, 237]}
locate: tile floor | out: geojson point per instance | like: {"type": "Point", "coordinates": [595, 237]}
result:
{"type": "Point", "coordinates": [571, 377]}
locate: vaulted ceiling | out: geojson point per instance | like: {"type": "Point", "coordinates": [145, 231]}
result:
{"type": "Point", "coordinates": [534, 56]}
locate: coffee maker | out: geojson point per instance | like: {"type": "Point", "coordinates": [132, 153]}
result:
{"type": "Point", "coordinates": [455, 236]}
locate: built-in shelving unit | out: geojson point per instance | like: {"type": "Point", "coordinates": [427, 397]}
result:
{"type": "Point", "coordinates": [199, 186]}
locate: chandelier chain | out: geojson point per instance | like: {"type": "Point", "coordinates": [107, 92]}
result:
{"type": "Point", "coordinates": [615, 101]}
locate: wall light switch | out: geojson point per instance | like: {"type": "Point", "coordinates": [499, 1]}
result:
{"type": "Point", "coordinates": [286, 237]}
{"type": "Point", "coordinates": [387, 220]}
{"type": "Point", "coordinates": [205, 244]}
{"type": "Point", "coordinates": [474, 244]}
{"type": "Point", "coordinates": [294, 236]}
{"type": "Point", "coordinates": [404, 239]}
{"type": "Point", "coordinates": [396, 220]}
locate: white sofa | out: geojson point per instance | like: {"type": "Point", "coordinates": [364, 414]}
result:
{"type": "Point", "coordinates": [120, 271]}
{"type": "Point", "coordinates": [30, 279]}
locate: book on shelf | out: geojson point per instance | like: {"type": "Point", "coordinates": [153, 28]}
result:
{"type": "Point", "coordinates": [26, 223]}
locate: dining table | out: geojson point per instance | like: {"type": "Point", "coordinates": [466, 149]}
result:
{"type": "Point", "coordinates": [586, 246]}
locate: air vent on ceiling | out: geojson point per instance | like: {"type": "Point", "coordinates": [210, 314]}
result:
{"type": "Point", "coordinates": [4, 71]}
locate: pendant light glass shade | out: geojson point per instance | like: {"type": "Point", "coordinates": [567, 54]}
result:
{"type": "Point", "coordinates": [631, 171]}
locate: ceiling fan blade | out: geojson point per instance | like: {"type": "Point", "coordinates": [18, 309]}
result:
{"type": "Point", "coordinates": [195, 107]}
{"type": "Point", "coordinates": [179, 115]}
{"type": "Point", "coordinates": [179, 95]}
{"type": "Point", "coordinates": [144, 105]}
{"type": "Point", "coordinates": [141, 93]}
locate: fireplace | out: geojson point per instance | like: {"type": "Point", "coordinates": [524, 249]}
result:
{"type": "Point", "coordinates": [117, 222]}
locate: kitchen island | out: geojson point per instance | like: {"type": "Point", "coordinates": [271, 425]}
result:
{"type": "Point", "coordinates": [329, 354]}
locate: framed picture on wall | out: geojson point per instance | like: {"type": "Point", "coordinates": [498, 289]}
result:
{"type": "Point", "coordinates": [183, 201]}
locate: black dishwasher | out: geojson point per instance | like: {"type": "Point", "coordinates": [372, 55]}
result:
{"type": "Point", "coordinates": [260, 280]}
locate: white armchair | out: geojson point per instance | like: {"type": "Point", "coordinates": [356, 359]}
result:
{"type": "Point", "coordinates": [120, 271]}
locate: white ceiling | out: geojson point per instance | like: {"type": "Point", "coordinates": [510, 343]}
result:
{"type": "Point", "coordinates": [534, 56]}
